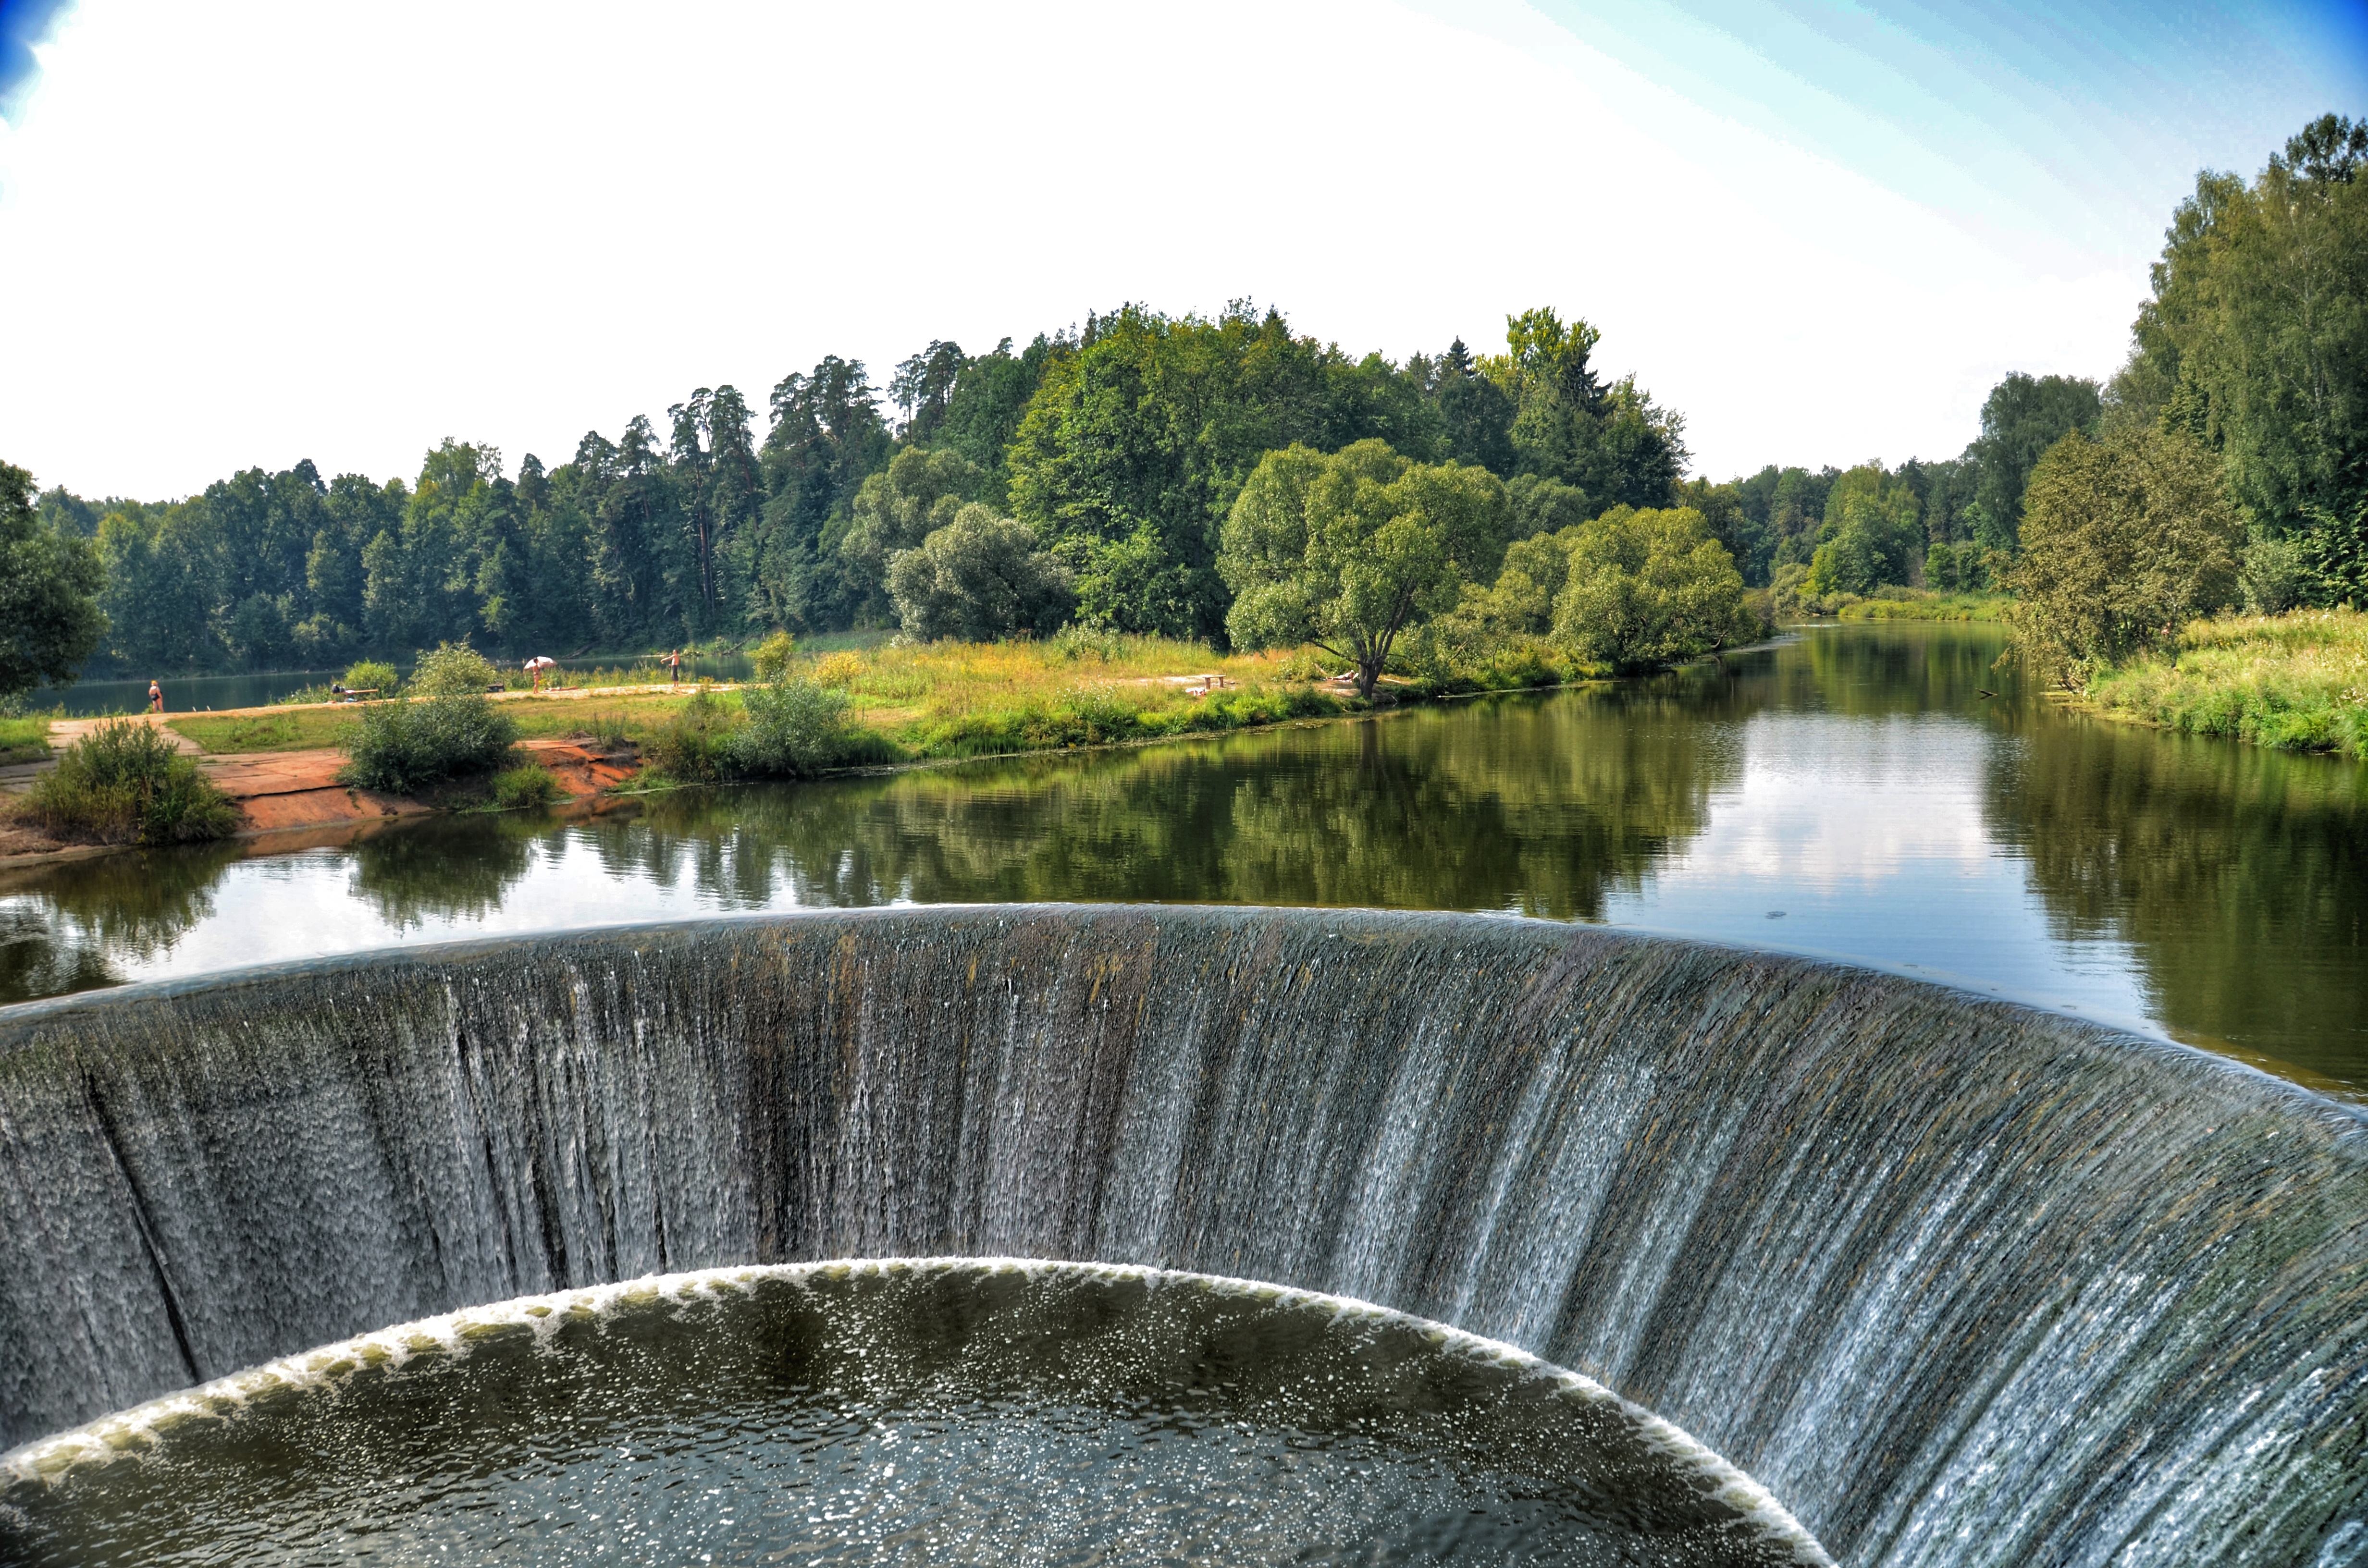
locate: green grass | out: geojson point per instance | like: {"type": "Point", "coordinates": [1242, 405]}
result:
{"type": "Point", "coordinates": [523, 786]}
{"type": "Point", "coordinates": [2296, 682]}
{"type": "Point", "coordinates": [24, 740]}
{"type": "Point", "coordinates": [1919, 604]}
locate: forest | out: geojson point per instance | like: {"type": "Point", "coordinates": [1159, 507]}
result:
{"type": "Point", "coordinates": [1092, 474]}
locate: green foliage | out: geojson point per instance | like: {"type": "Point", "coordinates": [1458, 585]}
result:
{"type": "Point", "coordinates": [2335, 552]}
{"type": "Point", "coordinates": [2022, 417]}
{"type": "Point", "coordinates": [1122, 446]}
{"type": "Point", "coordinates": [124, 783]}
{"type": "Point", "coordinates": [373, 676]}
{"type": "Point", "coordinates": [979, 577]}
{"type": "Point", "coordinates": [452, 670]}
{"type": "Point", "coordinates": [1346, 551]}
{"type": "Point", "coordinates": [412, 742]}
{"type": "Point", "coordinates": [796, 729]}
{"type": "Point", "coordinates": [1143, 430]}
{"type": "Point", "coordinates": [918, 494]}
{"type": "Point", "coordinates": [2296, 682]}
{"type": "Point", "coordinates": [695, 746]}
{"type": "Point", "coordinates": [1612, 443]}
{"type": "Point", "coordinates": [24, 737]}
{"type": "Point", "coordinates": [1648, 588]}
{"type": "Point", "coordinates": [2256, 338]}
{"type": "Point", "coordinates": [524, 785]}
{"type": "Point", "coordinates": [2124, 539]}
{"type": "Point", "coordinates": [1910, 604]}
{"type": "Point", "coordinates": [788, 728]}
{"type": "Point", "coordinates": [50, 582]}
{"type": "Point", "coordinates": [1870, 536]}
{"type": "Point", "coordinates": [771, 657]}
{"type": "Point", "coordinates": [2274, 575]}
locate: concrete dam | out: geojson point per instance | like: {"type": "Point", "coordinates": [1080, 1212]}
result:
{"type": "Point", "coordinates": [1959, 1282]}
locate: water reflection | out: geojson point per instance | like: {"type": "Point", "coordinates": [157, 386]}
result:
{"type": "Point", "coordinates": [2238, 877]}
{"type": "Point", "coordinates": [1885, 793]}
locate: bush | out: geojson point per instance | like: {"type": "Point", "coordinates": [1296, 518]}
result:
{"type": "Point", "coordinates": [694, 747]}
{"type": "Point", "coordinates": [773, 656]}
{"type": "Point", "coordinates": [123, 783]}
{"type": "Point", "coordinates": [454, 669]}
{"type": "Point", "coordinates": [406, 745]}
{"type": "Point", "coordinates": [795, 729]}
{"type": "Point", "coordinates": [841, 670]}
{"type": "Point", "coordinates": [372, 675]}
{"type": "Point", "coordinates": [515, 789]}
{"type": "Point", "coordinates": [1648, 588]}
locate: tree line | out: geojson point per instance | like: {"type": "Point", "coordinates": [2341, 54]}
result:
{"type": "Point", "coordinates": [1120, 446]}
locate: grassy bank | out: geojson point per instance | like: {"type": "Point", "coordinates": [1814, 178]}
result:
{"type": "Point", "coordinates": [24, 740]}
{"type": "Point", "coordinates": [936, 701]}
{"type": "Point", "coordinates": [1920, 604]}
{"type": "Point", "coordinates": [635, 716]}
{"type": "Point", "coordinates": [2298, 682]}
{"type": "Point", "coordinates": [949, 699]}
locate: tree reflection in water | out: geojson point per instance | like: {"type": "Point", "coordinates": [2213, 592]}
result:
{"type": "Point", "coordinates": [1540, 809]}
{"type": "Point", "coordinates": [66, 928]}
{"type": "Point", "coordinates": [2235, 881]}
{"type": "Point", "coordinates": [2238, 876]}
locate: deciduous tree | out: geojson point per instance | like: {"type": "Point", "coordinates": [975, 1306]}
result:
{"type": "Point", "coordinates": [50, 618]}
{"type": "Point", "coordinates": [1346, 551]}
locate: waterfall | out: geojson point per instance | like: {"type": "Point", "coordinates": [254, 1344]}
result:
{"type": "Point", "coordinates": [1961, 1282]}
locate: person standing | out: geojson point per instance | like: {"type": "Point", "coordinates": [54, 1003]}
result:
{"type": "Point", "coordinates": [156, 698]}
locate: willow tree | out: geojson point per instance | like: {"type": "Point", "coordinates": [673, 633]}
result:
{"type": "Point", "coordinates": [1346, 551]}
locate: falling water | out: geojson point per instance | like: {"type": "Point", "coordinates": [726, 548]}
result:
{"type": "Point", "coordinates": [1959, 1282]}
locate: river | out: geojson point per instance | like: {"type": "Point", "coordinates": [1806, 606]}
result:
{"type": "Point", "coordinates": [1850, 790]}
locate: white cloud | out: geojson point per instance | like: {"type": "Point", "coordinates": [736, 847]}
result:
{"type": "Point", "coordinates": [250, 234]}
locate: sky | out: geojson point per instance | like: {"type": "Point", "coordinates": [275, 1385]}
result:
{"type": "Point", "coordinates": [249, 233]}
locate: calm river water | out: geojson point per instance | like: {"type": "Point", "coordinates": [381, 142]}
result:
{"type": "Point", "coordinates": [1847, 791]}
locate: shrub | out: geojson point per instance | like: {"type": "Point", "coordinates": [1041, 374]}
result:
{"type": "Point", "coordinates": [841, 670]}
{"type": "Point", "coordinates": [694, 746]}
{"type": "Point", "coordinates": [1650, 587]}
{"type": "Point", "coordinates": [403, 745]}
{"type": "Point", "coordinates": [372, 675]}
{"type": "Point", "coordinates": [123, 783]}
{"type": "Point", "coordinates": [773, 656]}
{"type": "Point", "coordinates": [515, 789]}
{"type": "Point", "coordinates": [454, 669]}
{"type": "Point", "coordinates": [795, 729]}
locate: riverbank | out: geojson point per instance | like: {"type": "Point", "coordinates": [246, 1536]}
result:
{"type": "Point", "coordinates": [1920, 604]}
{"type": "Point", "coordinates": [280, 765]}
{"type": "Point", "coordinates": [2294, 682]}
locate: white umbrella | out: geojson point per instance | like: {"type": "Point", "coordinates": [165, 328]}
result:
{"type": "Point", "coordinates": [535, 665]}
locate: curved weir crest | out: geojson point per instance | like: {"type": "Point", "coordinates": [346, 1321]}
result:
{"type": "Point", "coordinates": [1959, 1282]}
